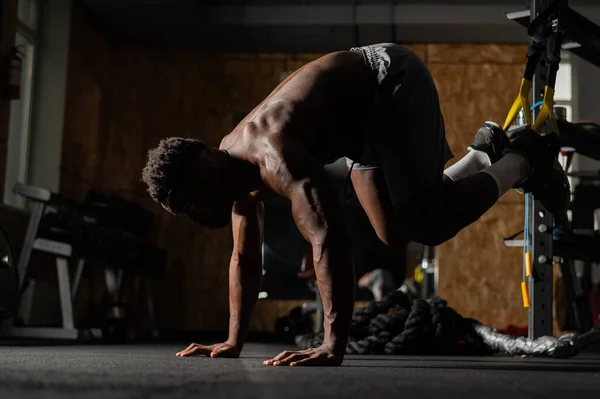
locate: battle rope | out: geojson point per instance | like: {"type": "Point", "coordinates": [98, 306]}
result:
{"type": "Point", "coordinates": [398, 326]}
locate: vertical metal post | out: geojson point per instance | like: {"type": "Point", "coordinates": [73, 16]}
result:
{"type": "Point", "coordinates": [37, 212]}
{"type": "Point", "coordinates": [541, 224]}
{"type": "Point", "coordinates": [77, 278]}
{"type": "Point", "coordinates": [64, 291]}
{"type": "Point", "coordinates": [429, 270]}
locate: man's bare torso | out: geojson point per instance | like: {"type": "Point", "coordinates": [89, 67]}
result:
{"type": "Point", "coordinates": [321, 107]}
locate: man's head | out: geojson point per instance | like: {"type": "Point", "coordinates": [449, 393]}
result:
{"type": "Point", "coordinates": [186, 177]}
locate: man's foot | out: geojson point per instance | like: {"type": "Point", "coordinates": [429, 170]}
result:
{"type": "Point", "coordinates": [547, 179]}
{"type": "Point", "coordinates": [492, 140]}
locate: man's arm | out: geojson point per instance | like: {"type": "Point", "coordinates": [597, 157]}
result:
{"type": "Point", "coordinates": [292, 172]}
{"type": "Point", "coordinates": [245, 271]}
{"type": "Point", "coordinates": [245, 268]}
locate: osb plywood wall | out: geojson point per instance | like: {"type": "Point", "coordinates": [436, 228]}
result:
{"type": "Point", "coordinates": [479, 276]}
{"type": "Point", "coordinates": [123, 99]}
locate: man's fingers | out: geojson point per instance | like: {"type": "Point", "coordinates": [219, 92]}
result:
{"type": "Point", "coordinates": [285, 358]}
{"type": "Point", "coordinates": [195, 350]}
{"type": "Point", "coordinates": [186, 349]}
{"type": "Point", "coordinates": [217, 353]}
{"type": "Point", "coordinates": [285, 361]}
{"type": "Point", "coordinates": [282, 355]}
{"type": "Point", "coordinates": [191, 352]}
{"type": "Point", "coordinates": [314, 360]}
{"type": "Point", "coordinates": [277, 358]}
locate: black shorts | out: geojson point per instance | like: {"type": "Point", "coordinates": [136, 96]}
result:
{"type": "Point", "coordinates": [405, 134]}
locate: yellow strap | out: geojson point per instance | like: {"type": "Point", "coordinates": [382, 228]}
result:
{"type": "Point", "coordinates": [521, 102]}
{"type": "Point", "coordinates": [525, 295]}
{"type": "Point", "coordinates": [524, 292]}
{"type": "Point", "coordinates": [527, 264]}
{"type": "Point", "coordinates": [546, 111]}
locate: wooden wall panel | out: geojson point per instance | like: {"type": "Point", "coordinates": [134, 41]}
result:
{"type": "Point", "coordinates": [88, 61]}
{"type": "Point", "coordinates": [479, 276]}
{"type": "Point", "coordinates": [89, 56]}
{"type": "Point", "coordinates": [476, 54]}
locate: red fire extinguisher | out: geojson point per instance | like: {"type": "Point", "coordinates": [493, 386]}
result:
{"type": "Point", "coordinates": [11, 76]}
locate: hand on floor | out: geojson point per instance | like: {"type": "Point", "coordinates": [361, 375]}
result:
{"type": "Point", "coordinates": [322, 356]}
{"type": "Point", "coordinates": [217, 350]}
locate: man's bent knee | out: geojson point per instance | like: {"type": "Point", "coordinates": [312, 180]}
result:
{"type": "Point", "coordinates": [423, 222]}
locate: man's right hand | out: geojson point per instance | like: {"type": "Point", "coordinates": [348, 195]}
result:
{"type": "Point", "coordinates": [224, 349]}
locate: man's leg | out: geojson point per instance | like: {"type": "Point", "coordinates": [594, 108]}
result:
{"type": "Point", "coordinates": [486, 149]}
{"type": "Point", "coordinates": [431, 218]}
{"type": "Point", "coordinates": [438, 214]}
{"type": "Point", "coordinates": [373, 195]}
{"type": "Point", "coordinates": [431, 206]}
{"type": "Point", "coordinates": [470, 186]}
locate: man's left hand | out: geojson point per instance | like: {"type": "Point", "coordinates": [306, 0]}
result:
{"type": "Point", "coordinates": [321, 356]}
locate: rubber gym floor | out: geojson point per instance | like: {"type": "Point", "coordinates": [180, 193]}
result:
{"type": "Point", "coordinates": [38, 370]}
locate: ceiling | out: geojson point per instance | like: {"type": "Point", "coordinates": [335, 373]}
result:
{"type": "Point", "coordinates": [307, 25]}
{"type": "Point", "coordinates": [176, 3]}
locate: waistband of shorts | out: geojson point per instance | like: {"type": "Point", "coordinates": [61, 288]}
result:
{"type": "Point", "coordinates": [369, 55]}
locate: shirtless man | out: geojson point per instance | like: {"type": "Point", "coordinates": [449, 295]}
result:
{"type": "Point", "coordinates": [378, 107]}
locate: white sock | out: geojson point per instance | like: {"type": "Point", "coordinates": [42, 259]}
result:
{"type": "Point", "coordinates": [508, 172]}
{"type": "Point", "coordinates": [475, 161]}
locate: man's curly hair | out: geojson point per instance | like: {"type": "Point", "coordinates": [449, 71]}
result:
{"type": "Point", "coordinates": [167, 165]}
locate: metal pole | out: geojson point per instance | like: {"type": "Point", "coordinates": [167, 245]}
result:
{"type": "Point", "coordinates": [429, 271]}
{"type": "Point", "coordinates": [541, 224]}
{"type": "Point", "coordinates": [64, 291]}
{"type": "Point", "coordinates": [32, 228]}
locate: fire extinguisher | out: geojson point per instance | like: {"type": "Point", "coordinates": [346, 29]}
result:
{"type": "Point", "coordinates": [11, 76]}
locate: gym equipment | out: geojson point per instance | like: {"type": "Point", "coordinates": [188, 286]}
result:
{"type": "Point", "coordinates": [546, 34]}
{"type": "Point", "coordinates": [104, 229]}
{"type": "Point", "coordinates": [400, 325]}
{"type": "Point", "coordinates": [580, 35]}
{"type": "Point", "coordinates": [44, 201]}
{"type": "Point", "coordinates": [574, 295]}
{"type": "Point", "coordinates": [552, 25]}
{"type": "Point", "coordinates": [429, 271]}
{"type": "Point", "coordinates": [582, 137]}
{"type": "Point", "coordinates": [9, 280]}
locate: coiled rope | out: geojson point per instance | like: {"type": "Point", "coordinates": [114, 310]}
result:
{"type": "Point", "coordinates": [397, 325]}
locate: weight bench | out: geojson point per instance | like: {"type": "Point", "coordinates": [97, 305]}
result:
{"type": "Point", "coordinates": [66, 244]}
{"type": "Point", "coordinates": [43, 201]}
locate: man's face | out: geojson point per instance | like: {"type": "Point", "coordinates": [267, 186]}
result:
{"type": "Point", "coordinates": [203, 197]}
{"type": "Point", "coordinates": [208, 209]}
